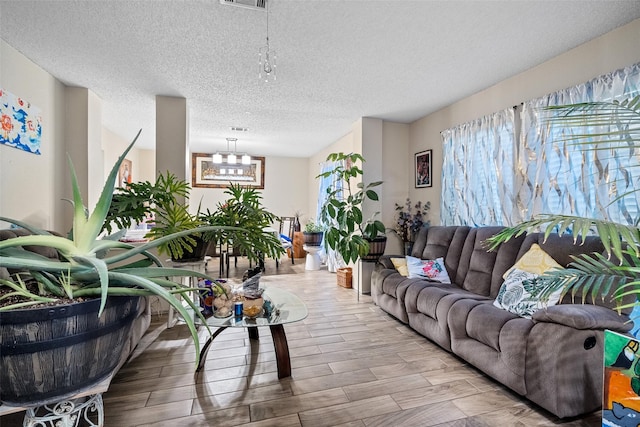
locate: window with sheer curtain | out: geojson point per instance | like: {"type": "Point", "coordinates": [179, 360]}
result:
{"type": "Point", "coordinates": [478, 173]}
{"type": "Point", "coordinates": [499, 171]}
{"type": "Point", "coordinates": [560, 175]}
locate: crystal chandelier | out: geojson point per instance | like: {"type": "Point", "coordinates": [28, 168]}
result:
{"type": "Point", "coordinates": [267, 63]}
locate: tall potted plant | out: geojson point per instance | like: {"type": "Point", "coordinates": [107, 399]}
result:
{"type": "Point", "coordinates": [347, 231]}
{"type": "Point", "coordinates": [86, 277]}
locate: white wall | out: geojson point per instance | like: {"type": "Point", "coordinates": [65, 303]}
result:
{"type": "Point", "coordinates": [31, 185]}
{"type": "Point", "coordinates": [345, 145]}
{"type": "Point", "coordinates": [142, 161]}
{"type": "Point", "coordinates": [607, 53]}
{"type": "Point", "coordinates": [395, 174]}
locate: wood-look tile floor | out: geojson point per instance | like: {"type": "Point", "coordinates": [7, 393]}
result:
{"type": "Point", "coordinates": [352, 365]}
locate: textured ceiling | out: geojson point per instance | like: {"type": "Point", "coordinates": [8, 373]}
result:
{"type": "Point", "coordinates": [337, 60]}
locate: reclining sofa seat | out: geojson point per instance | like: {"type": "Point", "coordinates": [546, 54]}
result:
{"type": "Point", "coordinates": [554, 359]}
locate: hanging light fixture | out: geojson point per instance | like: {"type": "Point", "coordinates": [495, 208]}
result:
{"type": "Point", "coordinates": [231, 156]}
{"type": "Point", "coordinates": [267, 63]}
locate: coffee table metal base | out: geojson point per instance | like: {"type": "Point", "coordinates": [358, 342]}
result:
{"type": "Point", "coordinates": [280, 345]}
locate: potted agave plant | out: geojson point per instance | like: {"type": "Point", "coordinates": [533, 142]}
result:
{"type": "Point", "coordinates": [92, 291]}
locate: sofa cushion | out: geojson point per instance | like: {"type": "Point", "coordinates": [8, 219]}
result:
{"type": "Point", "coordinates": [430, 296]}
{"type": "Point", "coordinates": [400, 264]}
{"type": "Point", "coordinates": [485, 322]}
{"type": "Point", "coordinates": [477, 262]}
{"type": "Point", "coordinates": [535, 261]}
{"type": "Point", "coordinates": [521, 294]}
{"type": "Point", "coordinates": [427, 269]}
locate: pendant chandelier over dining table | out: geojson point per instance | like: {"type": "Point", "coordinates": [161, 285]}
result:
{"type": "Point", "coordinates": [231, 156]}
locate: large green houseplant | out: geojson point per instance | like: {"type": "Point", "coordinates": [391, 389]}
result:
{"type": "Point", "coordinates": [243, 223]}
{"type": "Point", "coordinates": [617, 273]}
{"type": "Point", "coordinates": [163, 202]}
{"type": "Point", "coordinates": [347, 231]}
{"type": "Point", "coordinates": [86, 269]}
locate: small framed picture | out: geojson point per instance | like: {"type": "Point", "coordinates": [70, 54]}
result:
{"type": "Point", "coordinates": [423, 169]}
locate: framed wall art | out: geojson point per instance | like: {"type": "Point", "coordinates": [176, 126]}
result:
{"type": "Point", "coordinates": [206, 174]}
{"type": "Point", "coordinates": [125, 173]}
{"type": "Point", "coordinates": [20, 123]}
{"type": "Point", "coordinates": [422, 168]}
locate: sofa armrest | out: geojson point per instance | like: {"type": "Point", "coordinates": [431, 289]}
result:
{"type": "Point", "coordinates": [584, 316]}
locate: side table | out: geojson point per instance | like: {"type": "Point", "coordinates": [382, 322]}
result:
{"type": "Point", "coordinates": [298, 243]}
{"type": "Point", "coordinates": [313, 258]}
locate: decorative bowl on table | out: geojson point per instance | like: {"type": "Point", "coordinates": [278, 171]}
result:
{"type": "Point", "coordinates": [252, 311]}
{"type": "Point", "coordinates": [223, 312]}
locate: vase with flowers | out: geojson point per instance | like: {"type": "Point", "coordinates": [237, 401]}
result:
{"type": "Point", "coordinates": [410, 218]}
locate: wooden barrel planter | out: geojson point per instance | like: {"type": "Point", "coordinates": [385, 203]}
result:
{"type": "Point", "coordinates": [49, 354]}
{"type": "Point", "coordinates": [376, 249]}
{"type": "Point", "coordinates": [312, 238]}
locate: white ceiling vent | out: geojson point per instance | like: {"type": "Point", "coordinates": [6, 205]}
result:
{"type": "Point", "coordinates": [249, 4]}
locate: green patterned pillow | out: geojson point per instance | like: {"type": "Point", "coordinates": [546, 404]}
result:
{"type": "Point", "coordinates": [521, 294]}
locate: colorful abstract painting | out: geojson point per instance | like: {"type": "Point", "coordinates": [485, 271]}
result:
{"type": "Point", "coordinates": [20, 123]}
{"type": "Point", "coordinates": [621, 394]}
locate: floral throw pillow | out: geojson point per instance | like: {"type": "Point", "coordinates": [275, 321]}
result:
{"type": "Point", "coordinates": [521, 294]}
{"type": "Point", "coordinates": [427, 269]}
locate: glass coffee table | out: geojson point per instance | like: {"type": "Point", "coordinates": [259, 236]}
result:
{"type": "Point", "coordinates": [287, 308]}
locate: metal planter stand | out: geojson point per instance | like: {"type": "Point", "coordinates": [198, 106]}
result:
{"type": "Point", "coordinates": [86, 411]}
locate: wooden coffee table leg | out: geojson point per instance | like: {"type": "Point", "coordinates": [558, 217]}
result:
{"type": "Point", "coordinates": [282, 350]}
{"type": "Point", "coordinates": [253, 333]}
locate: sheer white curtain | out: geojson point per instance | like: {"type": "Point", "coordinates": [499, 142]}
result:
{"type": "Point", "coordinates": [559, 176]}
{"type": "Point", "coordinates": [331, 257]}
{"type": "Point", "coordinates": [492, 177]}
{"type": "Point", "coordinates": [478, 171]}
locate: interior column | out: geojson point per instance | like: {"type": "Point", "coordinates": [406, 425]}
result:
{"type": "Point", "coordinates": [83, 143]}
{"type": "Point", "coordinates": [172, 137]}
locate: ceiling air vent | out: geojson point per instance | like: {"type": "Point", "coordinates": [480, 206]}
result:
{"type": "Point", "coordinates": [249, 4]}
{"type": "Point", "coordinates": [238, 129]}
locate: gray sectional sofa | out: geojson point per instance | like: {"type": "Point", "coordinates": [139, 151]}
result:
{"type": "Point", "coordinates": [553, 359]}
